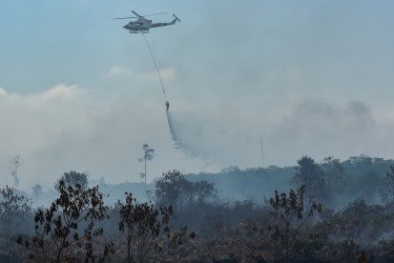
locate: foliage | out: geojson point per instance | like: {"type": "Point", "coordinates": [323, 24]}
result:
{"type": "Point", "coordinates": [311, 175]}
{"type": "Point", "coordinates": [173, 188]}
{"type": "Point", "coordinates": [13, 208]}
{"type": "Point", "coordinates": [59, 235]}
{"type": "Point", "coordinates": [145, 227]}
{"type": "Point", "coordinates": [356, 228]}
{"type": "Point", "coordinates": [333, 174]}
{"type": "Point", "coordinates": [73, 179]}
{"type": "Point", "coordinates": [292, 216]}
{"type": "Point", "coordinates": [358, 221]}
{"type": "Point", "coordinates": [387, 189]}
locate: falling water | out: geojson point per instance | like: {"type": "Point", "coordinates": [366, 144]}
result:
{"type": "Point", "coordinates": [179, 135]}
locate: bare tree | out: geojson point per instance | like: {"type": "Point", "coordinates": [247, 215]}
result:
{"type": "Point", "coordinates": [148, 156]}
{"type": "Point", "coordinates": [16, 162]}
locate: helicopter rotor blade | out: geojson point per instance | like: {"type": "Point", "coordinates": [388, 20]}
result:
{"type": "Point", "coordinates": [156, 14]}
{"type": "Point", "coordinates": [125, 17]}
{"type": "Point", "coordinates": [138, 16]}
{"type": "Point", "coordinates": [135, 13]}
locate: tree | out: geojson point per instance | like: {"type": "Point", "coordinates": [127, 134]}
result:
{"type": "Point", "coordinates": [350, 251]}
{"type": "Point", "coordinates": [387, 189]}
{"type": "Point", "coordinates": [144, 226]}
{"type": "Point", "coordinates": [13, 208]}
{"type": "Point", "coordinates": [173, 188]}
{"type": "Point", "coordinates": [148, 156]}
{"type": "Point", "coordinates": [311, 175]}
{"type": "Point", "coordinates": [169, 188]}
{"type": "Point", "coordinates": [73, 179]}
{"type": "Point", "coordinates": [291, 211]}
{"type": "Point", "coordinates": [16, 162]}
{"type": "Point", "coordinates": [37, 191]}
{"type": "Point", "coordinates": [68, 225]}
{"type": "Point", "coordinates": [333, 174]}
{"type": "Point", "coordinates": [203, 191]}
{"type": "Point", "coordinates": [126, 224]}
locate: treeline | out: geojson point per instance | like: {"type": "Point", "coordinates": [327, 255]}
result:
{"type": "Point", "coordinates": [361, 177]}
{"type": "Point", "coordinates": [326, 212]}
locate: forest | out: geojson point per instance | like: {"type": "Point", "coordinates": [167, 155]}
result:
{"type": "Point", "coordinates": [328, 211]}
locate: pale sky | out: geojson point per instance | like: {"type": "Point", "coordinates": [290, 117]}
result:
{"type": "Point", "coordinates": [78, 92]}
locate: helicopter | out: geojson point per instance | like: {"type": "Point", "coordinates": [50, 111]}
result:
{"type": "Point", "coordinates": [142, 25]}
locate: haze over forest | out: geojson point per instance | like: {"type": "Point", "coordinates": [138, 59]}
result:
{"type": "Point", "coordinates": [79, 92]}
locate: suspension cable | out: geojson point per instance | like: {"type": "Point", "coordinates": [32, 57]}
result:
{"type": "Point", "coordinates": [157, 68]}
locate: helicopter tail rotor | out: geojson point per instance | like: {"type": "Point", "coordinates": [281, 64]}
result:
{"type": "Point", "coordinates": [176, 18]}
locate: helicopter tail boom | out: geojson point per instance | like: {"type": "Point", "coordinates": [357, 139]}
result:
{"type": "Point", "coordinates": [166, 24]}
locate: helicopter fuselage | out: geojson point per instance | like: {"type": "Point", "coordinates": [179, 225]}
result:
{"type": "Point", "coordinates": [142, 25]}
{"type": "Point", "coordinates": [139, 26]}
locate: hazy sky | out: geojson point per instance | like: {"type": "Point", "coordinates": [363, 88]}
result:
{"type": "Point", "coordinates": [79, 92]}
